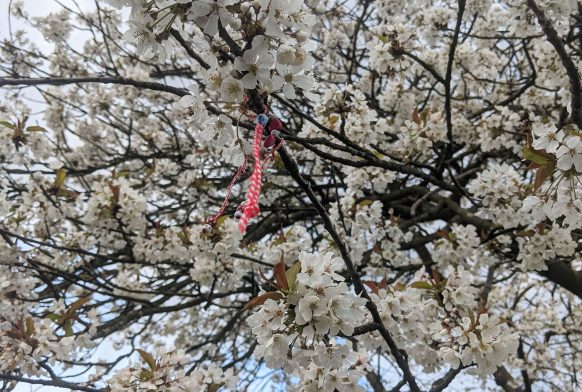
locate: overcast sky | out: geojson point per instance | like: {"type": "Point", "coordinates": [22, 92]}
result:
{"type": "Point", "coordinates": [34, 8]}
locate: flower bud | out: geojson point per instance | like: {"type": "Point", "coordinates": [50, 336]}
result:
{"type": "Point", "coordinates": [269, 141]}
{"type": "Point", "coordinates": [301, 36]}
{"type": "Point", "coordinates": [285, 54]}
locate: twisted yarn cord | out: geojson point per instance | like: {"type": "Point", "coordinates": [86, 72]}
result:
{"type": "Point", "coordinates": [251, 207]}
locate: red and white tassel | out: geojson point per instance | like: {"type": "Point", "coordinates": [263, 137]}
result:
{"type": "Point", "coordinates": [251, 206]}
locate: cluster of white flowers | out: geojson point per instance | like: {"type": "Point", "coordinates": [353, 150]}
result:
{"type": "Point", "coordinates": [17, 341]}
{"type": "Point", "coordinates": [167, 372]}
{"type": "Point", "coordinates": [277, 59]}
{"type": "Point", "coordinates": [293, 332]}
{"type": "Point", "coordinates": [559, 153]}
{"type": "Point", "coordinates": [481, 342]}
{"type": "Point", "coordinates": [538, 248]}
{"type": "Point", "coordinates": [458, 246]}
{"type": "Point", "coordinates": [115, 205]}
{"type": "Point", "coordinates": [418, 136]}
{"type": "Point", "coordinates": [212, 257]}
{"type": "Point", "coordinates": [289, 243]}
{"type": "Point", "coordinates": [386, 51]}
{"type": "Point", "coordinates": [55, 26]}
{"type": "Point", "coordinates": [26, 342]}
{"type": "Point", "coordinates": [566, 146]}
{"type": "Point", "coordinates": [466, 336]}
{"type": "Point", "coordinates": [498, 187]}
{"type": "Point", "coordinates": [367, 229]}
{"type": "Point", "coordinates": [495, 133]}
{"type": "Point", "coordinates": [346, 110]}
{"type": "Point", "coordinates": [563, 205]}
{"type": "Point", "coordinates": [368, 179]}
{"type": "Point", "coordinates": [14, 284]}
{"type": "Point", "coordinates": [402, 313]}
{"type": "Point", "coordinates": [436, 318]}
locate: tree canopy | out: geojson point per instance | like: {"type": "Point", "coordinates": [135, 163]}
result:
{"type": "Point", "coordinates": [301, 195]}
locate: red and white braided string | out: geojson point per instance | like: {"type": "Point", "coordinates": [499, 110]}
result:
{"type": "Point", "coordinates": [251, 207]}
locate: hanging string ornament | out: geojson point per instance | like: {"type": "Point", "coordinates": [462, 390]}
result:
{"type": "Point", "coordinates": [250, 207]}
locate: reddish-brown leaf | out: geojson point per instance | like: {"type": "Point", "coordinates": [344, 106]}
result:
{"type": "Point", "coordinates": [542, 175]}
{"type": "Point", "coordinates": [280, 276]}
{"type": "Point", "coordinates": [274, 295]}
{"type": "Point", "coordinates": [442, 234]}
{"type": "Point", "coordinates": [372, 285]}
{"type": "Point", "coordinates": [416, 116]}
{"type": "Point", "coordinates": [383, 283]}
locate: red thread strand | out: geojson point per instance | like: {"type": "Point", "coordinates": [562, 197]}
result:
{"type": "Point", "coordinates": [241, 169]}
{"type": "Point", "coordinates": [271, 156]}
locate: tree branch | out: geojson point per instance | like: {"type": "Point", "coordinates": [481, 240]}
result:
{"type": "Point", "coordinates": [53, 383]}
{"type": "Point", "coordinates": [571, 69]}
{"type": "Point", "coordinates": [94, 79]}
{"type": "Point", "coordinates": [448, 78]}
{"type": "Point", "coordinates": [402, 362]}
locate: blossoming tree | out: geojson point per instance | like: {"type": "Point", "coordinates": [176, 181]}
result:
{"type": "Point", "coordinates": [306, 195]}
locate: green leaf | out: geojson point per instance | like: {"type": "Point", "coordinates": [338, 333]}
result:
{"type": "Point", "coordinates": [541, 158]}
{"type": "Point", "coordinates": [77, 304]}
{"type": "Point", "coordinates": [35, 128]}
{"type": "Point", "coordinates": [214, 387]}
{"type": "Point", "coordinates": [184, 236]}
{"type": "Point", "coordinates": [7, 124]}
{"type": "Point", "coordinates": [365, 203]}
{"type": "Point", "coordinates": [68, 328]}
{"type": "Point", "coordinates": [145, 375]}
{"type": "Point", "coordinates": [422, 285]}
{"type": "Point", "coordinates": [281, 238]}
{"type": "Point", "coordinates": [148, 358]}
{"type": "Point", "coordinates": [29, 327]}
{"type": "Point", "coordinates": [54, 317]}
{"type": "Point", "coordinates": [291, 274]}
{"type": "Point", "coordinates": [378, 154]}
{"type": "Point", "coordinates": [60, 180]}
{"type": "Point", "coordinates": [424, 115]}
{"type": "Point", "coordinates": [221, 220]}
